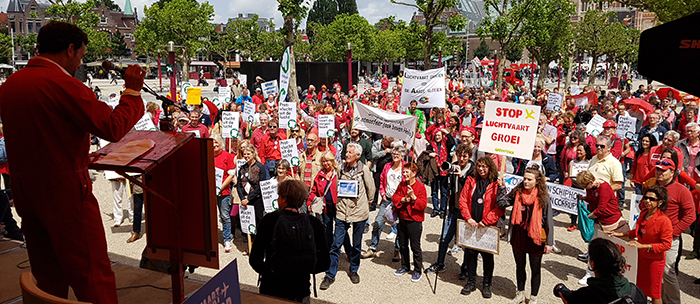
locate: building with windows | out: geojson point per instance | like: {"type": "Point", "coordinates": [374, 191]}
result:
{"type": "Point", "coordinates": [26, 16]}
{"type": "Point", "coordinates": [122, 22]}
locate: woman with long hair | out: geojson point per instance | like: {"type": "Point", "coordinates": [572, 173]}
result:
{"type": "Point", "coordinates": [481, 204]}
{"type": "Point", "coordinates": [324, 195]}
{"type": "Point", "coordinates": [531, 230]}
{"type": "Point", "coordinates": [249, 177]}
{"type": "Point", "coordinates": [569, 152]}
{"type": "Point", "coordinates": [641, 164]}
{"type": "Point", "coordinates": [410, 200]}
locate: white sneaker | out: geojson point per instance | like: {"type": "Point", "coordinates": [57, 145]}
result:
{"type": "Point", "coordinates": [519, 297]}
{"type": "Point", "coordinates": [584, 280]}
{"type": "Point", "coordinates": [391, 236]}
{"type": "Point", "coordinates": [455, 249]}
{"type": "Point", "coordinates": [533, 300]}
{"type": "Point", "coordinates": [556, 249]}
{"type": "Point", "coordinates": [227, 246]}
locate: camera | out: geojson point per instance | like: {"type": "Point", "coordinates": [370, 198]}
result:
{"type": "Point", "coordinates": [561, 288]}
{"type": "Point", "coordinates": [447, 166]}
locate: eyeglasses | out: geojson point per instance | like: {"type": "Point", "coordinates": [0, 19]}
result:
{"type": "Point", "coordinates": [601, 146]}
{"type": "Point", "coordinates": [648, 198]}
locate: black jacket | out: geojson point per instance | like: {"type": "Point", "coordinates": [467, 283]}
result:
{"type": "Point", "coordinates": [550, 166]}
{"type": "Point", "coordinates": [605, 291]}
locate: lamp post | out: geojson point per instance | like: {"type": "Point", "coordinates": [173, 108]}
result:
{"type": "Point", "coordinates": [160, 80]}
{"type": "Point", "coordinates": [579, 69]}
{"type": "Point", "coordinates": [439, 56]}
{"type": "Point", "coordinates": [171, 60]}
{"type": "Point", "coordinates": [349, 67]}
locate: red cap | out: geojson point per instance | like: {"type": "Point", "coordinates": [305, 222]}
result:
{"type": "Point", "coordinates": [471, 130]}
{"type": "Point", "coordinates": [665, 164]}
{"type": "Point", "coordinates": [609, 124]}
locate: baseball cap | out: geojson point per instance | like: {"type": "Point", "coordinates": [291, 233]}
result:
{"type": "Point", "coordinates": [183, 117]}
{"type": "Point", "coordinates": [609, 124]}
{"type": "Point", "coordinates": [665, 164]}
{"type": "Point", "coordinates": [258, 89]}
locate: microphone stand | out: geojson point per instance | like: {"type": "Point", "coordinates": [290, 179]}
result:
{"type": "Point", "coordinates": [166, 123]}
{"type": "Point", "coordinates": [449, 208]}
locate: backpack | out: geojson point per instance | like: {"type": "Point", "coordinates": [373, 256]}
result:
{"type": "Point", "coordinates": [3, 152]}
{"type": "Point", "coordinates": [293, 245]}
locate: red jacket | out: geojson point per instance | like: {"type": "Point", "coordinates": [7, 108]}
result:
{"type": "Point", "coordinates": [603, 203]}
{"type": "Point", "coordinates": [491, 211]}
{"type": "Point", "coordinates": [226, 162]}
{"type": "Point", "coordinates": [413, 210]}
{"type": "Point", "coordinates": [382, 177]}
{"type": "Point", "coordinates": [318, 189]}
{"type": "Point", "coordinates": [270, 148]}
{"type": "Point", "coordinates": [680, 208]}
{"type": "Point", "coordinates": [658, 232]}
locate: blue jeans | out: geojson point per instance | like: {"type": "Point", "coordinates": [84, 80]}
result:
{"type": "Point", "coordinates": [328, 224]}
{"type": "Point", "coordinates": [379, 224]}
{"type": "Point", "coordinates": [224, 203]}
{"type": "Point", "coordinates": [637, 189]}
{"type": "Point", "coordinates": [341, 233]}
{"type": "Point", "coordinates": [621, 192]}
{"type": "Point", "coordinates": [447, 235]}
{"type": "Point", "coordinates": [439, 184]}
{"type": "Point", "coordinates": [270, 165]}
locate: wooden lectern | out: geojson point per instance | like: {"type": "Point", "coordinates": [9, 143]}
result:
{"type": "Point", "coordinates": [179, 197]}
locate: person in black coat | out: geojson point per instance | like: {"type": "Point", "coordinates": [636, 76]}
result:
{"type": "Point", "coordinates": [249, 177]}
{"type": "Point", "coordinates": [544, 162]}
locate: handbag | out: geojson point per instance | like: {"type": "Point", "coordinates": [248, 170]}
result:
{"type": "Point", "coordinates": [391, 215]}
{"type": "Point", "coordinates": [318, 204]}
{"type": "Point", "coordinates": [585, 224]}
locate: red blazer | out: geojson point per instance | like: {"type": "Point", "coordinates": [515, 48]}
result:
{"type": "Point", "coordinates": [658, 232]}
{"type": "Point", "coordinates": [491, 211]}
{"type": "Point", "coordinates": [414, 210]}
{"type": "Point", "coordinates": [319, 188]}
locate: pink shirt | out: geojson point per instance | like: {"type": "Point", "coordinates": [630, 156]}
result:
{"type": "Point", "coordinates": [692, 171]}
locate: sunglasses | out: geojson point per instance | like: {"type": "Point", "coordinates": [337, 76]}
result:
{"type": "Point", "coordinates": [601, 146]}
{"type": "Point", "coordinates": [650, 198]}
{"type": "Point", "coordinates": [665, 163]}
{"type": "Point", "coordinates": [272, 127]}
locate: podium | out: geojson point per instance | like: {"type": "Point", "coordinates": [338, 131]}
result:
{"type": "Point", "coordinates": [179, 198]}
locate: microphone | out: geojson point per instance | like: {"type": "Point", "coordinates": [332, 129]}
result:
{"type": "Point", "coordinates": [108, 65]}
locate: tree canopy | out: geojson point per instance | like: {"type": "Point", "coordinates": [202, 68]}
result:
{"type": "Point", "coordinates": [79, 14]}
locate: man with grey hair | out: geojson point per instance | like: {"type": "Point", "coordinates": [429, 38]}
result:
{"type": "Point", "coordinates": [690, 146]}
{"type": "Point", "coordinates": [654, 128]}
{"type": "Point", "coordinates": [260, 131]}
{"type": "Point", "coordinates": [669, 142]}
{"type": "Point", "coordinates": [244, 97]}
{"type": "Point", "coordinates": [355, 188]}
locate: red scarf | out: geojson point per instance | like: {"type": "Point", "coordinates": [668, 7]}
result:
{"type": "Point", "coordinates": [534, 229]}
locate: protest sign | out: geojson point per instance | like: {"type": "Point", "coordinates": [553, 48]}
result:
{"type": "Point", "coordinates": [243, 78]}
{"type": "Point", "coordinates": [484, 239]}
{"type": "Point", "coordinates": [219, 177]}
{"type": "Point", "coordinates": [575, 90]}
{"type": "Point", "coordinates": [247, 216]}
{"type": "Point", "coordinates": [185, 87]}
{"type": "Point", "coordinates": [426, 87]}
{"type": "Point", "coordinates": [564, 198]}
{"type": "Point", "coordinates": [326, 126]}
{"type": "Point", "coordinates": [554, 102]}
{"type": "Point", "coordinates": [578, 168]}
{"type": "Point", "coordinates": [239, 164]}
{"type": "Point", "coordinates": [195, 132]}
{"type": "Point", "coordinates": [629, 252]}
{"type": "Point", "coordinates": [224, 95]}
{"type": "Point", "coordinates": [561, 197]}
{"type": "Point", "coordinates": [224, 287]}
{"type": "Point", "coordinates": [289, 151]}
{"type": "Point", "coordinates": [595, 126]}
{"type": "Point", "coordinates": [269, 194]}
{"type": "Point", "coordinates": [248, 111]}
{"type": "Point", "coordinates": [288, 115]}
{"type": "Point", "coordinates": [194, 96]}
{"type": "Point", "coordinates": [626, 127]}
{"type": "Point", "coordinates": [269, 87]}
{"type": "Point", "coordinates": [584, 99]}
{"type": "Point", "coordinates": [509, 129]}
{"type": "Point", "coordinates": [399, 126]}
{"type": "Point", "coordinates": [230, 124]}
{"type": "Point", "coordinates": [145, 124]}
{"type": "Point", "coordinates": [285, 69]}
{"type": "Point", "coordinates": [635, 210]}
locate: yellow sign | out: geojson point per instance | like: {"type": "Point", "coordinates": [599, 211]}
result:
{"type": "Point", "coordinates": [194, 96]}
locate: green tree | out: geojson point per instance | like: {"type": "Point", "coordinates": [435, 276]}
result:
{"type": "Point", "coordinates": [411, 39]}
{"type": "Point", "coordinates": [348, 7]}
{"type": "Point", "coordinates": [388, 46]}
{"type": "Point", "coordinates": [5, 47]}
{"type": "Point", "coordinates": [180, 21]}
{"type": "Point", "coordinates": [80, 14]}
{"type": "Point", "coordinates": [593, 36]}
{"type": "Point", "coordinates": [432, 11]}
{"type": "Point", "coordinates": [331, 40]}
{"type": "Point", "coordinates": [322, 12]}
{"type": "Point", "coordinates": [623, 44]}
{"type": "Point", "coordinates": [119, 48]}
{"type": "Point", "coordinates": [483, 50]}
{"type": "Point", "coordinates": [27, 43]}
{"type": "Point", "coordinates": [665, 10]}
{"type": "Point", "coordinates": [293, 11]}
{"type": "Point", "coordinates": [247, 37]}
{"type": "Point", "coordinates": [515, 54]}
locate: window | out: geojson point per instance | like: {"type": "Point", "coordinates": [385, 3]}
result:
{"type": "Point", "coordinates": [21, 28]}
{"type": "Point", "coordinates": [30, 27]}
{"type": "Point", "coordinates": [38, 26]}
{"type": "Point", "coordinates": [103, 20]}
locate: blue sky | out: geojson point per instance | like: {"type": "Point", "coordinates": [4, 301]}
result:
{"type": "Point", "coordinates": [372, 10]}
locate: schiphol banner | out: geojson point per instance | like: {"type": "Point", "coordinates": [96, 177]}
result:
{"type": "Point", "coordinates": [426, 87]}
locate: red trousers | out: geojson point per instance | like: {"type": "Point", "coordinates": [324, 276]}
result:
{"type": "Point", "coordinates": [66, 242]}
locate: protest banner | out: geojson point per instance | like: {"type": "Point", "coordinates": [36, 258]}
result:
{"type": "Point", "coordinates": [326, 126]}
{"type": "Point", "coordinates": [285, 69]}
{"type": "Point", "coordinates": [269, 194]}
{"type": "Point", "coordinates": [595, 126]}
{"type": "Point", "coordinates": [399, 126]}
{"type": "Point", "coordinates": [247, 215]}
{"type": "Point", "coordinates": [145, 123]}
{"type": "Point", "coordinates": [484, 239]}
{"type": "Point", "coordinates": [288, 115]}
{"type": "Point", "coordinates": [578, 168]}
{"type": "Point", "coordinates": [219, 178]}
{"type": "Point", "coordinates": [269, 87]}
{"type": "Point", "coordinates": [584, 99]}
{"type": "Point", "coordinates": [224, 287]}
{"type": "Point", "coordinates": [248, 111]}
{"type": "Point", "coordinates": [629, 252]}
{"type": "Point", "coordinates": [626, 127]}
{"type": "Point", "coordinates": [564, 198]}
{"type": "Point", "coordinates": [426, 87]}
{"type": "Point", "coordinates": [194, 96]}
{"type": "Point", "coordinates": [635, 210]}
{"type": "Point", "coordinates": [509, 129]}
{"type": "Point", "coordinates": [289, 151]}
{"type": "Point", "coordinates": [575, 90]}
{"type": "Point", "coordinates": [230, 124]}
{"type": "Point", "coordinates": [561, 197]}
{"type": "Point", "coordinates": [554, 102]}
{"type": "Point", "coordinates": [224, 96]}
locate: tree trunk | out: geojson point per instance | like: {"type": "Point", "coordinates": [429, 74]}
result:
{"type": "Point", "coordinates": [543, 75]}
{"type": "Point", "coordinates": [185, 69]}
{"type": "Point", "coordinates": [591, 76]}
{"type": "Point", "coordinates": [289, 41]}
{"type": "Point", "coordinates": [501, 64]}
{"type": "Point", "coordinates": [569, 72]}
{"type": "Point", "coordinates": [427, 64]}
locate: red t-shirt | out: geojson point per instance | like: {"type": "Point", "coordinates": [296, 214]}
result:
{"type": "Point", "coordinates": [225, 162]}
{"type": "Point", "coordinates": [200, 128]}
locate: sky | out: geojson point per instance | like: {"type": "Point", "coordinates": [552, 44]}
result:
{"type": "Point", "coordinates": [372, 10]}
